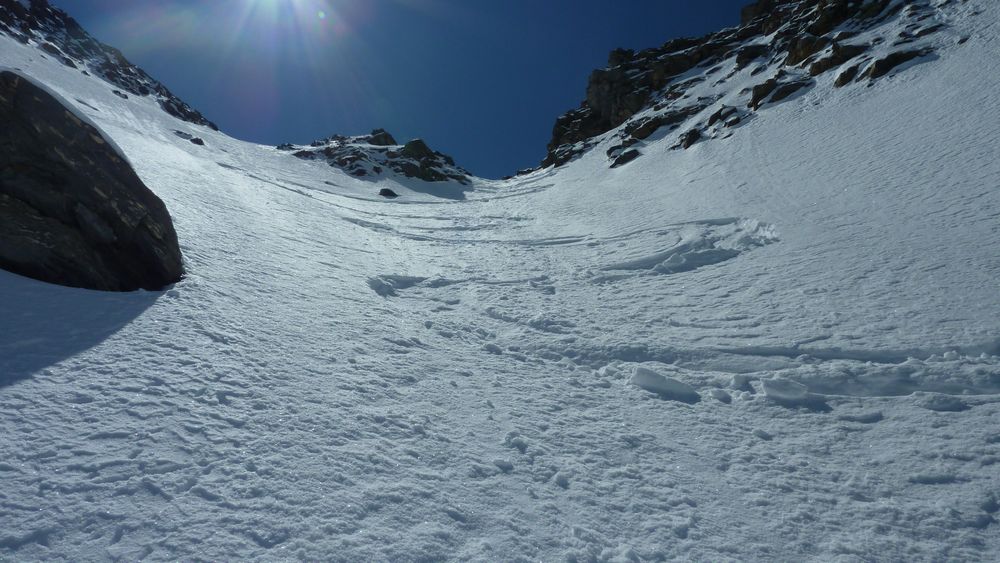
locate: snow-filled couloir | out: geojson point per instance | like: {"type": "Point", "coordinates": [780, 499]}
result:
{"type": "Point", "coordinates": [780, 343]}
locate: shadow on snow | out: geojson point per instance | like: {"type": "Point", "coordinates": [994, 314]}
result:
{"type": "Point", "coordinates": [42, 324]}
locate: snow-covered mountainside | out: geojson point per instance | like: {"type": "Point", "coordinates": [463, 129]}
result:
{"type": "Point", "coordinates": [59, 36]}
{"type": "Point", "coordinates": [782, 344]}
{"type": "Point", "coordinates": [703, 87]}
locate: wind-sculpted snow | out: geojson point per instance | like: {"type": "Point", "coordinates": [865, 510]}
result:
{"type": "Point", "coordinates": [344, 377]}
{"type": "Point", "coordinates": [700, 244]}
{"type": "Point", "coordinates": [680, 248]}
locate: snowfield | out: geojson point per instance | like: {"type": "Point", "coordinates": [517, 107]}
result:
{"type": "Point", "coordinates": [783, 345]}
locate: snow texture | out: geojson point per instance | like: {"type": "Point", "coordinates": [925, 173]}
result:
{"type": "Point", "coordinates": [344, 377]}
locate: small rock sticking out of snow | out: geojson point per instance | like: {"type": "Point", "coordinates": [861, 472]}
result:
{"type": "Point", "coordinates": [666, 387]}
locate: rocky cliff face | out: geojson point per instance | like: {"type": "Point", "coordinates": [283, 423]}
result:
{"type": "Point", "coordinates": [375, 154]}
{"type": "Point", "coordinates": [72, 210]}
{"type": "Point", "coordinates": [59, 36]}
{"type": "Point", "coordinates": [699, 88]}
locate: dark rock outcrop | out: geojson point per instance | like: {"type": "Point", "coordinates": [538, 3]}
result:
{"type": "Point", "coordinates": [72, 210]}
{"type": "Point", "coordinates": [626, 157]}
{"type": "Point", "coordinates": [762, 91]}
{"type": "Point", "coordinates": [839, 55]}
{"type": "Point", "coordinates": [787, 89]}
{"type": "Point", "coordinates": [381, 138]}
{"type": "Point", "coordinates": [690, 138]}
{"type": "Point", "coordinates": [883, 66]}
{"type": "Point", "coordinates": [750, 53]}
{"type": "Point", "coordinates": [845, 77]}
{"type": "Point", "coordinates": [723, 114]}
{"type": "Point", "coordinates": [803, 47]}
{"type": "Point", "coordinates": [60, 36]}
{"type": "Point", "coordinates": [387, 193]}
{"type": "Point", "coordinates": [777, 89]}
{"type": "Point", "coordinates": [757, 9]}
{"type": "Point", "coordinates": [416, 149]}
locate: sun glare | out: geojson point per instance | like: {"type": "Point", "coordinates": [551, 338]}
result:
{"type": "Point", "coordinates": [304, 27]}
{"type": "Point", "coordinates": [310, 9]}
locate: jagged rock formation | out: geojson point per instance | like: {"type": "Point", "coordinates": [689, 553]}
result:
{"type": "Point", "coordinates": [373, 154]}
{"type": "Point", "coordinates": [707, 85]}
{"type": "Point", "coordinates": [60, 36]}
{"type": "Point", "coordinates": [72, 210]}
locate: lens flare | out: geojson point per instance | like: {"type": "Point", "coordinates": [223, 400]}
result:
{"type": "Point", "coordinates": [260, 49]}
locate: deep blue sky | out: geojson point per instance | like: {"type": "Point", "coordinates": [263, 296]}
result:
{"type": "Point", "coordinates": [481, 80]}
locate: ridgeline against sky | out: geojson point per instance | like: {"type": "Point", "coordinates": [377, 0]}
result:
{"type": "Point", "coordinates": [482, 81]}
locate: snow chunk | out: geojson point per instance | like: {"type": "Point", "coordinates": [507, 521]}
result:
{"type": "Point", "coordinates": [793, 394]}
{"type": "Point", "coordinates": [941, 403]}
{"type": "Point", "coordinates": [785, 390]}
{"type": "Point", "coordinates": [721, 396]}
{"type": "Point", "coordinates": [666, 387]}
{"type": "Point", "coordinates": [870, 417]}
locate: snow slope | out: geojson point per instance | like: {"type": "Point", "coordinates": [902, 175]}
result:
{"type": "Point", "coordinates": [780, 345]}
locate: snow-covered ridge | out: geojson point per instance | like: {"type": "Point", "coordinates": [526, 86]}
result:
{"type": "Point", "coordinates": [375, 154]}
{"type": "Point", "coordinates": [696, 89]}
{"type": "Point", "coordinates": [54, 32]}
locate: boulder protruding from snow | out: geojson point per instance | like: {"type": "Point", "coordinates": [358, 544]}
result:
{"type": "Point", "coordinates": [72, 210]}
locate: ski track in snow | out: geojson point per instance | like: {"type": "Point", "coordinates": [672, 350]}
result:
{"type": "Point", "coordinates": [509, 376]}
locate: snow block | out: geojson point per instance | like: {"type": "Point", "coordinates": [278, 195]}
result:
{"type": "Point", "coordinates": [666, 387]}
{"type": "Point", "coordinates": [793, 394]}
{"type": "Point", "coordinates": [785, 390]}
